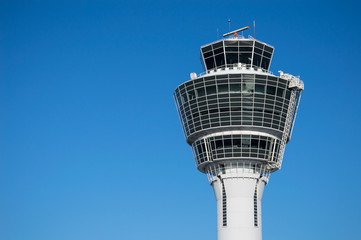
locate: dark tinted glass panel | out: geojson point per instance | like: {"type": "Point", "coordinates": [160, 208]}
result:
{"type": "Point", "coordinates": [223, 78]}
{"type": "Point", "coordinates": [254, 143]}
{"type": "Point", "coordinates": [282, 81]}
{"type": "Point", "coordinates": [256, 60]}
{"type": "Point", "coordinates": [189, 85]}
{"type": "Point", "coordinates": [207, 54]}
{"type": "Point", "coordinates": [203, 147]}
{"type": "Point", "coordinates": [288, 94]}
{"type": "Point", "coordinates": [271, 90]}
{"type": "Point", "coordinates": [245, 58]}
{"type": "Point", "coordinates": [200, 92]}
{"type": "Point", "coordinates": [262, 144]}
{"type": "Point", "coordinates": [261, 77]}
{"type": "Point", "coordinates": [218, 45]}
{"type": "Point", "coordinates": [248, 77]}
{"type": "Point", "coordinates": [259, 45]}
{"type": "Point", "coordinates": [259, 88]}
{"type": "Point", "coordinates": [184, 98]}
{"type": "Point", "coordinates": [227, 143]}
{"type": "Point", "coordinates": [266, 54]}
{"type": "Point", "coordinates": [231, 43]}
{"type": "Point", "coordinates": [235, 76]}
{"type": "Point", "coordinates": [231, 46]}
{"type": "Point", "coordinates": [179, 101]}
{"type": "Point", "coordinates": [199, 148]}
{"type": "Point", "coordinates": [206, 49]}
{"type": "Point", "coordinates": [191, 95]}
{"type": "Point", "coordinates": [218, 51]}
{"type": "Point", "coordinates": [248, 87]}
{"type": "Point", "coordinates": [198, 82]}
{"type": "Point", "coordinates": [202, 62]}
{"type": "Point", "coordinates": [210, 79]}
{"type": "Point", "coordinates": [272, 78]}
{"type": "Point", "coordinates": [245, 141]}
{"type": "Point", "coordinates": [268, 49]}
{"type": "Point", "coordinates": [235, 88]}
{"type": "Point", "coordinates": [280, 92]}
{"type": "Point", "coordinates": [210, 63]}
{"type": "Point", "coordinates": [245, 49]}
{"type": "Point", "coordinates": [232, 58]}
{"type": "Point", "coordinates": [257, 50]}
{"type": "Point", "coordinates": [231, 49]}
{"type": "Point", "coordinates": [211, 90]}
{"type": "Point", "coordinates": [220, 60]}
{"type": "Point", "coordinates": [265, 63]}
{"type": "Point", "coordinates": [223, 88]}
{"type": "Point", "coordinates": [245, 43]}
{"type": "Point", "coordinates": [219, 144]}
{"type": "Point", "coordinates": [237, 143]}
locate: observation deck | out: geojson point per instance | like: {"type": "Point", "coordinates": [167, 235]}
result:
{"type": "Point", "coordinates": [237, 109]}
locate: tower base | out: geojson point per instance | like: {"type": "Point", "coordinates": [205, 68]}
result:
{"type": "Point", "coordinates": [239, 205]}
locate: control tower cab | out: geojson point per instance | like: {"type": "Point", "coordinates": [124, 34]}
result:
{"type": "Point", "coordinates": [236, 52]}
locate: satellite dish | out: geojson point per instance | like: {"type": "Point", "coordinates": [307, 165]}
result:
{"type": "Point", "coordinates": [193, 75]}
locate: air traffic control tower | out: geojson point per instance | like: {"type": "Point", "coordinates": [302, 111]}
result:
{"type": "Point", "coordinates": [238, 117]}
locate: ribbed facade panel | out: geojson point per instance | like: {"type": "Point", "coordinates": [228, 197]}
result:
{"type": "Point", "coordinates": [252, 100]}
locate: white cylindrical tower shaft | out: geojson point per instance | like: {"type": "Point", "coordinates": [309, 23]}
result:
{"type": "Point", "coordinates": [239, 206]}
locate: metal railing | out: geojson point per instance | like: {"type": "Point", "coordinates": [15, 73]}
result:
{"type": "Point", "coordinates": [236, 66]}
{"type": "Point", "coordinates": [249, 37]}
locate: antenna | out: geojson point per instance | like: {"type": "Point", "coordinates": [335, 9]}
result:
{"type": "Point", "coordinates": [217, 34]}
{"type": "Point", "coordinates": [229, 24]}
{"type": "Point", "coordinates": [254, 28]}
{"type": "Point", "coordinates": [235, 31]}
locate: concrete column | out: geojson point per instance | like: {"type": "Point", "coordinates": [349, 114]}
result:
{"type": "Point", "coordinates": [239, 208]}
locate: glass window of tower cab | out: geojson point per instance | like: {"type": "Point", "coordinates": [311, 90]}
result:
{"type": "Point", "coordinates": [231, 52]}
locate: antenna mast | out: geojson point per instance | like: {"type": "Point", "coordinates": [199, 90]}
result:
{"type": "Point", "coordinates": [254, 28]}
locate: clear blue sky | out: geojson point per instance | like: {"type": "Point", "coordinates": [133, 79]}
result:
{"type": "Point", "coordinates": [91, 146]}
